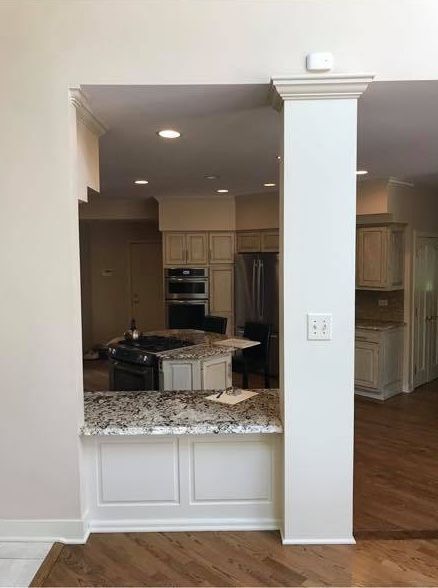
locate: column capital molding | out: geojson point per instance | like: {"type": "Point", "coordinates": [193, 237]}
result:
{"type": "Point", "coordinates": [85, 114]}
{"type": "Point", "coordinates": [318, 87]}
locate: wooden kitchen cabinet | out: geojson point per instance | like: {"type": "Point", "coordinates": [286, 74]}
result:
{"type": "Point", "coordinates": [248, 242]}
{"type": "Point", "coordinates": [216, 373]}
{"type": "Point", "coordinates": [174, 248]}
{"type": "Point", "coordinates": [197, 374]}
{"type": "Point", "coordinates": [185, 248]}
{"type": "Point", "coordinates": [270, 241]}
{"type": "Point", "coordinates": [258, 241]}
{"type": "Point", "coordinates": [221, 246]}
{"type": "Point", "coordinates": [380, 257]}
{"type": "Point", "coordinates": [378, 362]}
{"type": "Point", "coordinates": [222, 293]}
{"type": "Point", "coordinates": [197, 248]}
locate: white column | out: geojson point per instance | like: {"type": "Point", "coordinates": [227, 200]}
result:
{"type": "Point", "coordinates": [318, 221]}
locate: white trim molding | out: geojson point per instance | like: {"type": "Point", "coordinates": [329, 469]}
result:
{"type": "Point", "coordinates": [85, 114]}
{"type": "Point", "coordinates": [318, 87]}
{"type": "Point", "coordinates": [46, 530]}
{"type": "Point", "coordinates": [319, 541]}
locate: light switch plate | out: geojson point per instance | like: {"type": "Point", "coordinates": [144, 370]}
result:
{"type": "Point", "coordinates": [319, 326]}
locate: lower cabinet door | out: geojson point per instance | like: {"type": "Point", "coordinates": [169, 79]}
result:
{"type": "Point", "coordinates": [366, 364]}
{"type": "Point", "coordinates": [180, 375]}
{"type": "Point", "coordinates": [216, 374]}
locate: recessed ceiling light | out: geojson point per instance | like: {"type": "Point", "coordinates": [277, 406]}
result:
{"type": "Point", "coordinates": [269, 184]}
{"type": "Point", "coordinates": [141, 182]}
{"type": "Point", "coordinates": [169, 134]}
{"type": "Point", "coordinates": [212, 177]}
{"type": "Point", "coordinates": [222, 191]}
{"type": "Point", "coordinates": [361, 172]}
{"type": "Point", "coordinates": [278, 156]}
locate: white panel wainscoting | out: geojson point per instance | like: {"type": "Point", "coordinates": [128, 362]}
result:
{"type": "Point", "coordinates": [188, 482]}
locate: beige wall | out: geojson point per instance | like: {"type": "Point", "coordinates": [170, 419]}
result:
{"type": "Point", "coordinates": [48, 47]}
{"type": "Point", "coordinates": [257, 211]}
{"type": "Point", "coordinates": [197, 214]}
{"type": "Point", "coordinates": [101, 207]}
{"type": "Point", "coordinates": [87, 161]}
{"type": "Point", "coordinates": [106, 307]}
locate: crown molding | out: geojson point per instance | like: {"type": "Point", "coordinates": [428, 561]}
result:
{"type": "Point", "coordinates": [85, 114]}
{"type": "Point", "coordinates": [318, 87]}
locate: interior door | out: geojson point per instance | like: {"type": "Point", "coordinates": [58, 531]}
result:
{"type": "Point", "coordinates": [147, 298]}
{"type": "Point", "coordinates": [433, 309]}
{"type": "Point", "coordinates": [426, 311]}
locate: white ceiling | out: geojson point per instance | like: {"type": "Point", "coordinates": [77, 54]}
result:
{"type": "Point", "coordinates": [229, 131]}
{"type": "Point", "coordinates": [233, 132]}
{"type": "Point", "coordinates": [398, 130]}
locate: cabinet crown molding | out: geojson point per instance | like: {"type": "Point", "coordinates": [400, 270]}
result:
{"type": "Point", "coordinates": [318, 87]}
{"type": "Point", "coordinates": [85, 114]}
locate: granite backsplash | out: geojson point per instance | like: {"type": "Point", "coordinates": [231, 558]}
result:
{"type": "Point", "coordinates": [368, 308]}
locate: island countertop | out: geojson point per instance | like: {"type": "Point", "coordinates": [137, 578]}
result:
{"type": "Point", "coordinates": [178, 413]}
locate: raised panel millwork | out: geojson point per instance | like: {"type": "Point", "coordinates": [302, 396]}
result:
{"type": "Point", "coordinates": [175, 248]}
{"type": "Point", "coordinates": [145, 472]}
{"type": "Point", "coordinates": [180, 375]}
{"type": "Point", "coordinates": [221, 247]}
{"type": "Point", "coordinates": [380, 258]}
{"type": "Point", "coordinates": [270, 241]}
{"type": "Point", "coordinates": [221, 289]}
{"type": "Point", "coordinates": [372, 257]}
{"type": "Point", "coordinates": [366, 364]}
{"type": "Point", "coordinates": [216, 374]}
{"type": "Point", "coordinates": [238, 471]}
{"type": "Point", "coordinates": [197, 248]}
{"type": "Point", "coordinates": [248, 242]}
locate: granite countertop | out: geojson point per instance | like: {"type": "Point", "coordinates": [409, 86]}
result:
{"type": "Point", "coordinates": [195, 352]}
{"type": "Point", "coordinates": [178, 413]}
{"type": "Point", "coordinates": [376, 325]}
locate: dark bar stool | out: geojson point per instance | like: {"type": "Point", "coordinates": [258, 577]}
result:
{"type": "Point", "coordinates": [215, 324]}
{"type": "Point", "coordinates": [254, 359]}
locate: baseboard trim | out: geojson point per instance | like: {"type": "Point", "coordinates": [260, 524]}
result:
{"type": "Point", "coordinates": [162, 525]}
{"type": "Point", "coordinates": [47, 530]}
{"type": "Point", "coordinates": [318, 541]}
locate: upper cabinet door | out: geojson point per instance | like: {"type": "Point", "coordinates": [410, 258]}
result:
{"type": "Point", "coordinates": [197, 248]}
{"type": "Point", "coordinates": [248, 242]}
{"type": "Point", "coordinates": [270, 241]}
{"type": "Point", "coordinates": [221, 247]}
{"type": "Point", "coordinates": [372, 257]}
{"type": "Point", "coordinates": [380, 258]}
{"type": "Point", "coordinates": [175, 251]}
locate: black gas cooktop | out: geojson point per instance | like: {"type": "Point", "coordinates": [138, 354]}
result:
{"type": "Point", "coordinates": [156, 343]}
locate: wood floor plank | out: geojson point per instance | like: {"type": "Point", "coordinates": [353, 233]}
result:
{"type": "Point", "coordinates": [241, 559]}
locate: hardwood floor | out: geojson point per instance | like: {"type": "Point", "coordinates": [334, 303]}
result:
{"type": "Point", "coordinates": [396, 464]}
{"type": "Point", "coordinates": [239, 559]}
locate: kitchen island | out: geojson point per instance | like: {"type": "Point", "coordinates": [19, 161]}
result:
{"type": "Point", "coordinates": [178, 461]}
{"type": "Point", "coordinates": [173, 359]}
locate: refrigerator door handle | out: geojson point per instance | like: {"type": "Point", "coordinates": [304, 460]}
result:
{"type": "Point", "coordinates": [259, 302]}
{"type": "Point", "coordinates": [262, 289]}
{"type": "Point", "coordinates": [254, 281]}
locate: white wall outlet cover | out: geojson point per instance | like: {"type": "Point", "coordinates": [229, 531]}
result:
{"type": "Point", "coordinates": [319, 326]}
{"type": "Point", "coordinates": [322, 61]}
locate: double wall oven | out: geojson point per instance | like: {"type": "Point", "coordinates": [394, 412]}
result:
{"type": "Point", "coordinates": [186, 297]}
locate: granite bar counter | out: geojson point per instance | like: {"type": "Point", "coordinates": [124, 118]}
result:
{"type": "Point", "coordinates": [175, 461]}
{"type": "Point", "coordinates": [178, 413]}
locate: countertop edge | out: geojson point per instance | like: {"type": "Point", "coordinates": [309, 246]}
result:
{"type": "Point", "coordinates": [183, 430]}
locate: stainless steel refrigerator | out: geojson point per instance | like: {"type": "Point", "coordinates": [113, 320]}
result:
{"type": "Point", "coordinates": [256, 295]}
